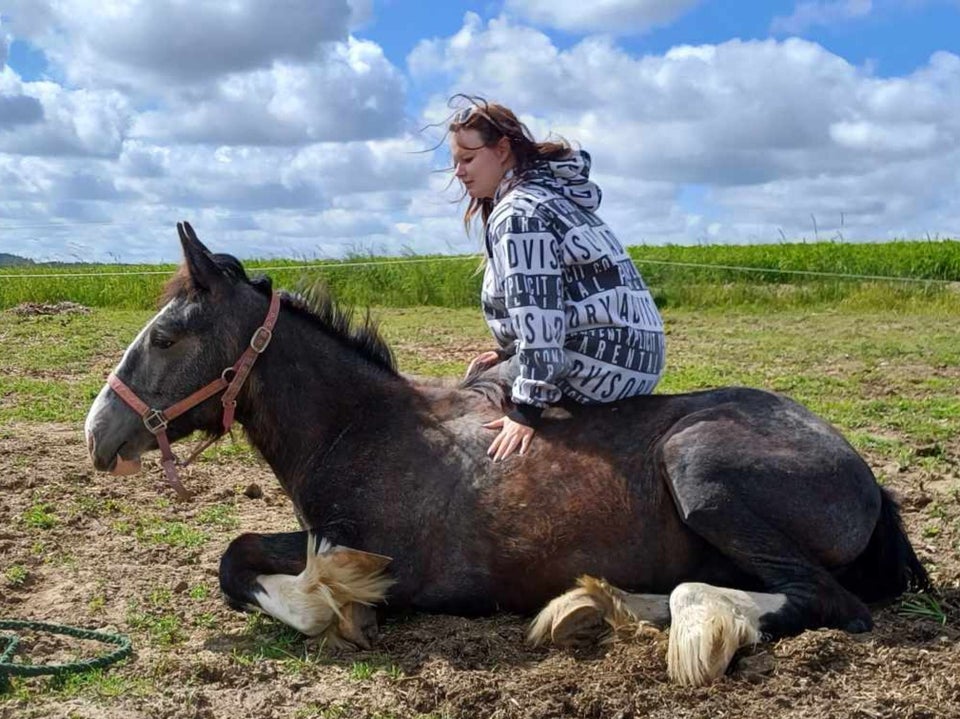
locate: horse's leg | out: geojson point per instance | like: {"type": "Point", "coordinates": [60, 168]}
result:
{"type": "Point", "coordinates": [594, 609]}
{"type": "Point", "coordinates": [721, 483]}
{"type": "Point", "coordinates": [312, 587]}
{"type": "Point", "coordinates": [709, 624]}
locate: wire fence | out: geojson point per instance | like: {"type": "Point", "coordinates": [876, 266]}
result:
{"type": "Point", "coordinates": [462, 258]}
{"type": "Point", "coordinates": [690, 276]}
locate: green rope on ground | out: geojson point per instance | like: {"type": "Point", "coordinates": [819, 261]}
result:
{"type": "Point", "coordinates": [10, 669]}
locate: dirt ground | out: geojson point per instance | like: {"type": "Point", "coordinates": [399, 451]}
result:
{"type": "Point", "coordinates": [114, 553]}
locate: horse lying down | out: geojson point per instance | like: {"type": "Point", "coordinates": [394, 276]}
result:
{"type": "Point", "coordinates": [734, 515]}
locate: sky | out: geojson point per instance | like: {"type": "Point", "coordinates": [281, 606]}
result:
{"type": "Point", "coordinates": [315, 128]}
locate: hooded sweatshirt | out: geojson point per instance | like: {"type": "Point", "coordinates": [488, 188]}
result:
{"type": "Point", "coordinates": [561, 294]}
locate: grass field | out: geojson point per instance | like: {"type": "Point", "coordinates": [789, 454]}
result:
{"type": "Point", "coordinates": [895, 370]}
{"type": "Point", "coordinates": [784, 275]}
{"type": "Point", "coordinates": [888, 378]}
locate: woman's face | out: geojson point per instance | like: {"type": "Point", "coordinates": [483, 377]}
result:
{"type": "Point", "coordinates": [478, 167]}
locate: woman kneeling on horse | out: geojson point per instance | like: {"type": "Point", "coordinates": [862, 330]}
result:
{"type": "Point", "coordinates": [571, 314]}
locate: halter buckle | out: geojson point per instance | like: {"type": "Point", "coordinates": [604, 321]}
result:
{"type": "Point", "coordinates": [261, 338]}
{"type": "Point", "coordinates": [155, 421]}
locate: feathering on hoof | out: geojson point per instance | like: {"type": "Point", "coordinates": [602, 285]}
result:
{"type": "Point", "coordinates": [333, 578]}
{"type": "Point", "coordinates": [709, 625]}
{"type": "Point", "coordinates": [565, 617]}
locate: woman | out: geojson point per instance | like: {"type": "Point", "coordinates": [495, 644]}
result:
{"type": "Point", "coordinates": [564, 301]}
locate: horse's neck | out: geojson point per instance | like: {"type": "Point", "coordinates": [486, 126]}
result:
{"type": "Point", "coordinates": [306, 391]}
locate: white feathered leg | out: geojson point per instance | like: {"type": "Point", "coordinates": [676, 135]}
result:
{"type": "Point", "coordinates": [708, 625]}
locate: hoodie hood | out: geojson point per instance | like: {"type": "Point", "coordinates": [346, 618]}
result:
{"type": "Point", "coordinates": [569, 177]}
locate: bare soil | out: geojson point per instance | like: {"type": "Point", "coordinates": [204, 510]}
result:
{"type": "Point", "coordinates": [109, 553]}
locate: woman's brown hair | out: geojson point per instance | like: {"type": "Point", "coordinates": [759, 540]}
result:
{"type": "Point", "coordinates": [493, 121]}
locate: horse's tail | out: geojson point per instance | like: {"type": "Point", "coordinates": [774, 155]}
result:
{"type": "Point", "coordinates": [888, 566]}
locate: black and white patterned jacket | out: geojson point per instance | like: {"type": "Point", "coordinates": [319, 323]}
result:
{"type": "Point", "coordinates": [561, 294]}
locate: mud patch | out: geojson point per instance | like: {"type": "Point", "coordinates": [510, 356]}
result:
{"type": "Point", "coordinates": [31, 309]}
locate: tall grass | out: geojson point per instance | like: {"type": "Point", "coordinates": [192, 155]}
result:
{"type": "Point", "coordinates": [679, 276]}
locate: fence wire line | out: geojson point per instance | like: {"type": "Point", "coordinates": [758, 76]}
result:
{"type": "Point", "coordinates": [461, 258]}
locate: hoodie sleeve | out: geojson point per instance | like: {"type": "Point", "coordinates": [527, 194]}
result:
{"type": "Point", "coordinates": [532, 264]}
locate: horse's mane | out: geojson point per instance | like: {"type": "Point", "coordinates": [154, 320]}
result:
{"type": "Point", "coordinates": [313, 301]}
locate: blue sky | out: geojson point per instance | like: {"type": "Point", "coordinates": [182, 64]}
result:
{"type": "Point", "coordinates": [300, 133]}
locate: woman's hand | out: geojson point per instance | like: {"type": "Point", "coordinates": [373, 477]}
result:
{"type": "Point", "coordinates": [513, 435]}
{"type": "Point", "coordinates": [483, 361]}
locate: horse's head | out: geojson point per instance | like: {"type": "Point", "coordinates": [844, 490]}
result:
{"type": "Point", "coordinates": [211, 311]}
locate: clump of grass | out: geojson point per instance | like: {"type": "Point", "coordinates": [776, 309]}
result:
{"type": "Point", "coordinates": [40, 516]}
{"type": "Point", "coordinates": [269, 639]}
{"type": "Point", "coordinates": [923, 606]}
{"type": "Point", "coordinates": [222, 516]}
{"type": "Point", "coordinates": [198, 591]}
{"type": "Point", "coordinates": [171, 534]}
{"type": "Point", "coordinates": [162, 626]}
{"type": "Point", "coordinates": [100, 683]}
{"type": "Point", "coordinates": [99, 600]}
{"type": "Point", "coordinates": [361, 671]}
{"type": "Point", "coordinates": [16, 575]}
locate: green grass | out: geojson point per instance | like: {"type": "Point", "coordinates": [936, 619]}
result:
{"type": "Point", "coordinates": [39, 515]}
{"type": "Point", "coordinates": [361, 671]}
{"type": "Point", "coordinates": [16, 575]}
{"type": "Point", "coordinates": [102, 684]}
{"type": "Point", "coordinates": [887, 377]}
{"type": "Point", "coordinates": [157, 621]}
{"type": "Point", "coordinates": [151, 530]}
{"type": "Point", "coordinates": [673, 272]}
{"type": "Point", "coordinates": [265, 638]}
{"type": "Point", "coordinates": [97, 684]}
{"type": "Point", "coordinates": [222, 516]}
{"type": "Point", "coordinates": [364, 670]}
{"type": "Point", "coordinates": [199, 591]}
{"type": "Point", "coordinates": [156, 530]}
{"type": "Point", "coordinates": [923, 606]}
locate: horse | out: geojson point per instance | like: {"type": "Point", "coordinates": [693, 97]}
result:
{"type": "Point", "coordinates": [734, 515]}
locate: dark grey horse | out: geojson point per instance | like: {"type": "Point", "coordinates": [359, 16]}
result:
{"type": "Point", "coordinates": [736, 514]}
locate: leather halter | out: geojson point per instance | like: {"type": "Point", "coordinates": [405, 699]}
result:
{"type": "Point", "coordinates": [231, 380]}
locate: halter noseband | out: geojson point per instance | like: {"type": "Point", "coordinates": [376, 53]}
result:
{"type": "Point", "coordinates": [231, 379]}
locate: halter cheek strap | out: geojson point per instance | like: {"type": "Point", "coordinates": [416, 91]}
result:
{"type": "Point", "coordinates": [231, 380]}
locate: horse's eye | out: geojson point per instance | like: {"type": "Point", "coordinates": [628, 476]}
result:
{"type": "Point", "coordinates": [161, 342]}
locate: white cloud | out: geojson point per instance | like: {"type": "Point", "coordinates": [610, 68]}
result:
{"type": "Point", "coordinates": [308, 150]}
{"type": "Point", "coordinates": [619, 17]}
{"type": "Point", "coordinates": [47, 119]}
{"type": "Point", "coordinates": [351, 92]}
{"type": "Point", "coordinates": [303, 201]}
{"type": "Point", "coordinates": [772, 119]}
{"type": "Point", "coordinates": [820, 12]}
{"type": "Point", "coordinates": [175, 41]}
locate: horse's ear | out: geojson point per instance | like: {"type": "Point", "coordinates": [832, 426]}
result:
{"type": "Point", "coordinates": [203, 271]}
{"type": "Point", "coordinates": [186, 231]}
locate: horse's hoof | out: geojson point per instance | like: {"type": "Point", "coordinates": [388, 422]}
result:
{"type": "Point", "coordinates": [579, 623]}
{"type": "Point", "coordinates": [358, 625]}
{"type": "Point", "coordinates": [859, 626]}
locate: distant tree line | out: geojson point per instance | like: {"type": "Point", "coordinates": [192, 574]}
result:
{"type": "Point", "coordinates": [8, 259]}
